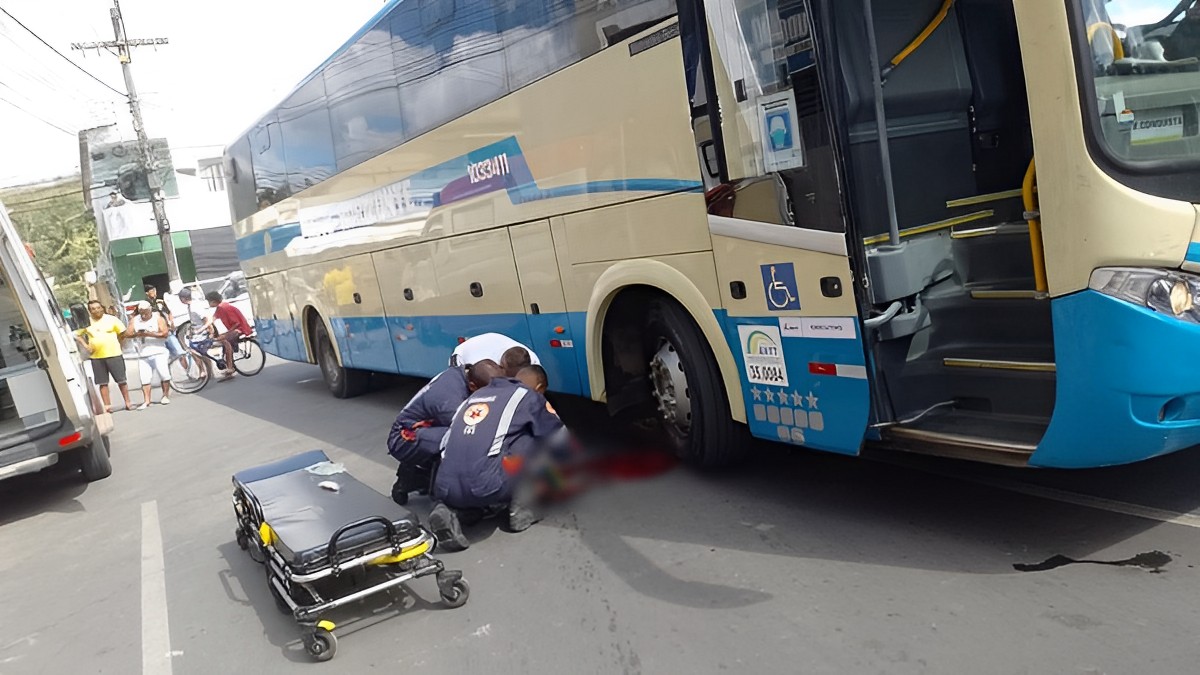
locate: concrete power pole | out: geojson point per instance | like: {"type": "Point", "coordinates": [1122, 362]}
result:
{"type": "Point", "coordinates": [145, 153]}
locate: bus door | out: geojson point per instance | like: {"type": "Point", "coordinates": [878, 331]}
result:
{"type": "Point", "coordinates": [546, 306]}
{"type": "Point", "coordinates": [778, 231]}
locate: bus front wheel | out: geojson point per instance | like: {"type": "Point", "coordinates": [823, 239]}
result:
{"type": "Point", "coordinates": [686, 383]}
{"type": "Point", "coordinates": [342, 382]}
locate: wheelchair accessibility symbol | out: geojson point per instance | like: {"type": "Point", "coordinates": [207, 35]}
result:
{"type": "Point", "coordinates": [779, 285]}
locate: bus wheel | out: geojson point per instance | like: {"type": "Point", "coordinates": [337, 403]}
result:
{"type": "Point", "coordinates": [342, 382]}
{"type": "Point", "coordinates": [687, 388]}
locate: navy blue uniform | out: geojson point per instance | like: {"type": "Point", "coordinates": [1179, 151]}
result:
{"type": "Point", "coordinates": [495, 431]}
{"type": "Point", "coordinates": [416, 435]}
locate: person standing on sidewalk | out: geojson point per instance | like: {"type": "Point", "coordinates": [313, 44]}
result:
{"type": "Point", "coordinates": [102, 341]}
{"type": "Point", "coordinates": [150, 331]}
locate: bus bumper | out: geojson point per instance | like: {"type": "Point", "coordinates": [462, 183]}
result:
{"type": "Point", "coordinates": [1128, 384]}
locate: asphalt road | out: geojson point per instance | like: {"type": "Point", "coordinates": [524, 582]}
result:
{"type": "Point", "coordinates": [799, 563]}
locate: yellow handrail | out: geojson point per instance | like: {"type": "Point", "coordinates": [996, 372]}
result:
{"type": "Point", "coordinates": [924, 35]}
{"type": "Point", "coordinates": [1035, 228]}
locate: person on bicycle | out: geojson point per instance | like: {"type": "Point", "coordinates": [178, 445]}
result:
{"type": "Point", "coordinates": [229, 325]}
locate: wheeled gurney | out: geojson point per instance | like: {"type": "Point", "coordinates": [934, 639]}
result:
{"type": "Point", "coordinates": [310, 523]}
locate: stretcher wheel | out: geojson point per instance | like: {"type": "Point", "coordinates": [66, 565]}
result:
{"type": "Point", "coordinates": [243, 541]}
{"type": "Point", "coordinates": [458, 594]}
{"type": "Point", "coordinates": [321, 644]}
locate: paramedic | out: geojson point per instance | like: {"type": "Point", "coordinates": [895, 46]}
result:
{"type": "Point", "coordinates": [487, 346]}
{"type": "Point", "coordinates": [495, 441]}
{"type": "Point", "coordinates": [416, 436]}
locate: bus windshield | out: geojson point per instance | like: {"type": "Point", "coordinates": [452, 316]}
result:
{"type": "Point", "coordinates": [1145, 65]}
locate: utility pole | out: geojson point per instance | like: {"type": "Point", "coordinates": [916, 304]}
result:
{"type": "Point", "coordinates": [145, 153]}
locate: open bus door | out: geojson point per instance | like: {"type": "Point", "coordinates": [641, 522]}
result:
{"type": "Point", "coordinates": [777, 222]}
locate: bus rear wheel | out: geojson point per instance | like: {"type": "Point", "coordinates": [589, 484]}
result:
{"type": "Point", "coordinates": [686, 384]}
{"type": "Point", "coordinates": [342, 382]}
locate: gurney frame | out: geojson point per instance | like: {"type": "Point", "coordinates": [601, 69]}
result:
{"type": "Point", "coordinates": [400, 559]}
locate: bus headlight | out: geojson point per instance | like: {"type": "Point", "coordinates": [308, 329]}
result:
{"type": "Point", "coordinates": [1165, 291]}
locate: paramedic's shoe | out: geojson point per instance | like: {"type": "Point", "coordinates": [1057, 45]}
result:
{"type": "Point", "coordinates": [446, 528]}
{"type": "Point", "coordinates": [400, 491]}
{"type": "Point", "coordinates": [521, 518]}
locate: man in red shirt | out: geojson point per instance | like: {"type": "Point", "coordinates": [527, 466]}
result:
{"type": "Point", "coordinates": [234, 323]}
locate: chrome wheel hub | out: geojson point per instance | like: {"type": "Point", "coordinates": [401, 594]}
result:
{"type": "Point", "coordinates": [671, 392]}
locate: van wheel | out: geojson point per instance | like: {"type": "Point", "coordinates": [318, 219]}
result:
{"type": "Point", "coordinates": [693, 408]}
{"type": "Point", "coordinates": [342, 382]}
{"type": "Point", "coordinates": [94, 460]}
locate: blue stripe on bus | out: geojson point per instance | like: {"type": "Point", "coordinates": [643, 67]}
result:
{"type": "Point", "coordinates": [1128, 385]}
{"type": "Point", "coordinates": [270, 240]}
{"type": "Point", "coordinates": [1193, 253]}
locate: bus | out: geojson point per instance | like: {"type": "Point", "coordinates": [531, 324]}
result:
{"type": "Point", "coordinates": [963, 228]}
{"type": "Point", "coordinates": [50, 412]}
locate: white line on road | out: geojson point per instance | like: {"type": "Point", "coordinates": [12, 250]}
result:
{"type": "Point", "coordinates": [311, 379]}
{"type": "Point", "coordinates": [156, 636]}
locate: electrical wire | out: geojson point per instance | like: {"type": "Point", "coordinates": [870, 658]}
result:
{"type": "Point", "coordinates": [40, 118]}
{"type": "Point", "coordinates": [64, 57]}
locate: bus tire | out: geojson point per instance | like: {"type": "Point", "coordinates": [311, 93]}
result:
{"type": "Point", "coordinates": [94, 460]}
{"type": "Point", "coordinates": [342, 382]}
{"type": "Point", "coordinates": [688, 391]}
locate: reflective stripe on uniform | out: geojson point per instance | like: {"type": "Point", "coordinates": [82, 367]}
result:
{"type": "Point", "coordinates": [506, 418]}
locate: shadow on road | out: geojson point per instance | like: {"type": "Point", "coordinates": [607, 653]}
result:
{"type": "Point", "coordinates": [54, 490]}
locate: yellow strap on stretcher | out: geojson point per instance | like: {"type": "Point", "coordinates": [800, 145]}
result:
{"type": "Point", "coordinates": [404, 554]}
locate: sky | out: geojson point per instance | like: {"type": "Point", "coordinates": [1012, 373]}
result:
{"type": "Point", "coordinates": [228, 61]}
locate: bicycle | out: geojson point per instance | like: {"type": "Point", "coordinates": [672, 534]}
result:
{"type": "Point", "coordinates": [192, 372]}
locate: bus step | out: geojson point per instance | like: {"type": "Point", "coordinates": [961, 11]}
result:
{"type": "Point", "coordinates": [1007, 294]}
{"type": "Point", "coordinates": [999, 364]}
{"type": "Point", "coordinates": [996, 439]}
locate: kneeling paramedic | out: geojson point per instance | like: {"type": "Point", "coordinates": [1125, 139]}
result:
{"type": "Point", "coordinates": [416, 436]}
{"type": "Point", "coordinates": [495, 443]}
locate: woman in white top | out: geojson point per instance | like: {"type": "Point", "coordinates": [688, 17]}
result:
{"type": "Point", "coordinates": [150, 332]}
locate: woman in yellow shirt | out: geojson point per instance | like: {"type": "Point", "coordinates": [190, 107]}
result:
{"type": "Point", "coordinates": [102, 340]}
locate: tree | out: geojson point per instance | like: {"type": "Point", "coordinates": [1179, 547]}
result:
{"type": "Point", "coordinates": [52, 219]}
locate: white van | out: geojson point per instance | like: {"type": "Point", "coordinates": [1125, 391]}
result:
{"type": "Point", "coordinates": [49, 409]}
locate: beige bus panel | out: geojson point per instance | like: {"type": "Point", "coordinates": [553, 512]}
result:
{"type": "Point", "coordinates": [408, 267]}
{"type": "Point", "coordinates": [653, 227]}
{"type": "Point", "coordinates": [537, 267]}
{"type": "Point", "coordinates": [285, 300]}
{"type": "Point", "coordinates": [1194, 267]}
{"type": "Point", "coordinates": [329, 289]}
{"type": "Point", "coordinates": [615, 117]}
{"type": "Point", "coordinates": [741, 260]}
{"type": "Point", "coordinates": [1088, 219]}
{"type": "Point", "coordinates": [485, 258]}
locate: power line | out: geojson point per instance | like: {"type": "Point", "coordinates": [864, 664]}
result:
{"type": "Point", "coordinates": [40, 118]}
{"type": "Point", "coordinates": [45, 199]}
{"type": "Point", "coordinates": [64, 57]}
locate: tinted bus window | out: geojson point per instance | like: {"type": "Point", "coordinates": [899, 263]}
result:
{"type": "Point", "coordinates": [270, 170]}
{"type": "Point", "coordinates": [364, 103]}
{"type": "Point", "coordinates": [307, 138]}
{"type": "Point", "coordinates": [239, 174]}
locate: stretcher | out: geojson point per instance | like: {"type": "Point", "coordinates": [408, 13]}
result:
{"type": "Point", "coordinates": [315, 527]}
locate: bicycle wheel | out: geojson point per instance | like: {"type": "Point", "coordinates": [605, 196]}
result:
{"type": "Point", "coordinates": [190, 373]}
{"type": "Point", "coordinates": [249, 358]}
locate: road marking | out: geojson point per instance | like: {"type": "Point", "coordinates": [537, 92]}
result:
{"type": "Point", "coordinates": [311, 379]}
{"type": "Point", "coordinates": [156, 636]}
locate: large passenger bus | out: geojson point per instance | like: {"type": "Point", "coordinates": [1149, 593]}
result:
{"type": "Point", "coordinates": [961, 228]}
{"type": "Point", "coordinates": [50, 412]}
